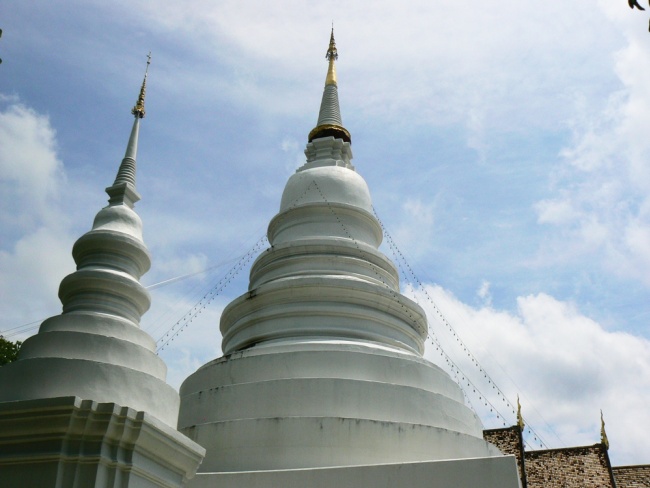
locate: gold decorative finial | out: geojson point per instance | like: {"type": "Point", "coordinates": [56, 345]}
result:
{"type": "Point", "coordinates": [331, 50]}
{"type": "Point", "coordinates": [329, 117]}
{"type": "Point", "coordinates": [520, 418]}
{"type": "Point", "coordinates": [603, 434]}
{"type": "Point", "coordinates": [332, 55]}
{"type": "Point", "coordinates": [138, 110]}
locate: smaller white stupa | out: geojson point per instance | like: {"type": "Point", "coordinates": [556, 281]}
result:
{"type": "Point", "coordinates": [86, 403]}
{"type": "Point", "coordinates": [323, 381]}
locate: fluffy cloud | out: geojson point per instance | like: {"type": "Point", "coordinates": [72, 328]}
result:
{"type": "Point", "coordinates": [564, 365]}
{"type": "Point", "coordinates": [495, 60]}
{"type": "Point", "coordinates": [36, 244]}
{"type": "Point", "coordinates": [600, 208]}
{"type": "Point", "coordinates": [417, 225]}
{"type": "Point", "coordinates": [30, 172]}
{"type": "Point", "coordinates": [30, 274]}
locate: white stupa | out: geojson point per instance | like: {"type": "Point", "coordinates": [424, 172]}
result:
{"type": "Point", "coordinates": [323, 382]}
{"type": "Point", "coordinates": [86, 404]}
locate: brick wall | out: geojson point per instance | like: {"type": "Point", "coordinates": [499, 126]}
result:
{"type": "Point", "coordinates": [574, 467]}
{"type": "Point", "coordinates": [632, 476]}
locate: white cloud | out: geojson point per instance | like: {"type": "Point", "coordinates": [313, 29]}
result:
{"type": "Point", "coordinates": [564, 365]}
{"type": "Point", "coordinates": [476, 133]}
{"type": "Point", "coordinates": [416, 225]}
{"type": "Point", "coordinates": [556, 211]}
{"type": "Point", "coordinates": [484, 293]}
{"type": "Point", "coordinates": [295, 154]}
{"type": "Point", "coordinates": [31, 175]}
{"type": "Point", "coordinates": [36, 244]}
{"type": "Point", "coordinates": [436, 62]}
{"type": "Point", "coordinates": [30, 274]}
{"type": "Point", "coordinates": [601, 189]}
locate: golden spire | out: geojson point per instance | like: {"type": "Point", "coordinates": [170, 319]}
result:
{"type": "Point", "coordinates": [603, 434]}
{"type": "Point", "coordinates": [332, 55]}
{"type": "Point", "coordinates": [329, 117]}
{"type": "Point", "coordinates": [520, 418]}
{"type": "Point", "coordinates": [138, 110]}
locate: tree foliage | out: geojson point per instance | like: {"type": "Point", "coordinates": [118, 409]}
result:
{"type": "Point", "coordinates": [8, 350]}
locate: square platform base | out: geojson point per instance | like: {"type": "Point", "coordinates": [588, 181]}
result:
{"type": "Point", "coordinates": [69, 442]}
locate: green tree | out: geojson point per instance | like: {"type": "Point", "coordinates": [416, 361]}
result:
{"type": "Point", "coordinates": [8, 350]}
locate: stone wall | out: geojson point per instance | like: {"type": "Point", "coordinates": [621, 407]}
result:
{"type": "Point", "coordinates": [509, 441]}
{"type": "Point", "coordinates": [632, 476]}
{"type": "Point", "coordinates": [567, 468]}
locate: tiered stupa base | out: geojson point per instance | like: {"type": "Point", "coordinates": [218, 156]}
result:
{"type": "Point", "coordinates": [324, 403]}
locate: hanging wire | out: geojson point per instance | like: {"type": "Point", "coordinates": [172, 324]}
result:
{"type": "Point", "coordinates": [402, 262]}
{"type": "Point", "coordinates": [459, 376]}
{"type": "Point", "coordinates": [30, 327]}
{"type": "Point", "coordinates": [164, 319]}
{"type": "Point", "coordinates": [189, 317]}
{"type": "Point", "coordinates": [21, 329]}
{"type": "Point", "coordinates": [175, 279]}
{"type": "Point", "coordinates": [395, 294]}
{"type": "Point", "coordinates": [184, 322]}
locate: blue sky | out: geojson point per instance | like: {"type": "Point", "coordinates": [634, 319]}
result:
{"type": "Point", "coordinates": [504, 145]}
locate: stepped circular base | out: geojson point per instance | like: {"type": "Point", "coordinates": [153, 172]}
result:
{"type": "Point", "coordinates": [326, 403]}
{"type": "Point", "coordinates": [37, 378]}
{"type": "Point", "coordinates": [312, 442]}
{"type": "Point", "coordinates": [93, 356]}
{"type": "Point", "coordinates": [322, 306]}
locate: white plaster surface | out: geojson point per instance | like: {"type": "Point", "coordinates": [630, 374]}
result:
{"type": "Point", "coordinates": [86, 403]}
{"type": "Point", "coordinates": [103, 382]}
{"type": "Point", "coordinates": [95, 349]}
{"type": "Point", "coordinates": [329, 306]}
{"type": "Point", "coordinates": [498, 472]}
{"type": "Point", "coordinates": [66, 442]}
{"type": "Point", "coordinates": [326, 403]}
{"type": "Point", "coordinates": [323, 361]}
{"type": "Point", "coordinates": [336, 184]}
{"type": "Point", "coordinates": [328, 151]}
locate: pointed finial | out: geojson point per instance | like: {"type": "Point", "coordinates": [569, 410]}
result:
{"type": "Point", "coordinates": [603, 434]}
{"type": "Point", "coordinates": [138, 110]}
{"type": "Point", "coordinates": [331, 50]}
{"type": "Point", "coordinates": [520, 418]}
{"type": "Point", "coordinates": [123, 189]}
{"type": "Point", "coordinates": [329, 117]}
{"type": "Point", "coordinates": [331, 55]}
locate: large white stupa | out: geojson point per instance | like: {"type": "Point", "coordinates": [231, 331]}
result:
{"type": "Point", "coordinates": [323, 380]}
